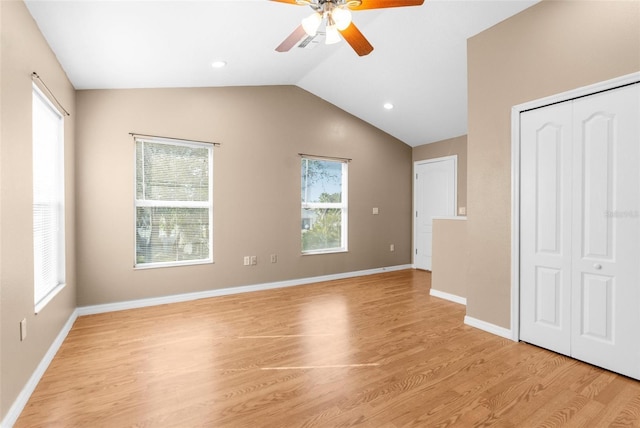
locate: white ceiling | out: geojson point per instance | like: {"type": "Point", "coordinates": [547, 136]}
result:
{"type": "Point", "coordinates": [418, 62]}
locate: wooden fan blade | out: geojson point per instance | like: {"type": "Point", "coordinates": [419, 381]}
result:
{"type": "Point", "coordinates": [356, 39]}
{"type": "Point", "coordinates": [293, 38]}
{"type": "Point", "coordinates": [380, 4]}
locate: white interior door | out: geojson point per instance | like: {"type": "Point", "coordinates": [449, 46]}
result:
{"type": "Point", "coordinates": [545, 235]}
{"type": "Point", "coordinates": [606, 229]}
{"type": "Point", "coordinates": [580, 229]}
{"type": "Point", "coordinates": [435, 196]}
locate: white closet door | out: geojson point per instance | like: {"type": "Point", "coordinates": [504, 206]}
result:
{"type": "Point", "coordinates": [580, 229]}
{"type": "Point", "coordinates": [545, 236]}
{"type": "Point", "coordinates": [606, 230]}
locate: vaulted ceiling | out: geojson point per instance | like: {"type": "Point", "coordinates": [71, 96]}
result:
{"type": "Point", "coordinates": [418, 63]}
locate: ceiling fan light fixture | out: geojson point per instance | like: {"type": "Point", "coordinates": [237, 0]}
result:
{"type": "Point", "coordinates": [342, 17]}
{"type": "Point", "coordinates": [311, 23]}
{"type": "Point", "coordinates": [332, 35]}
{"type": "Point", "coordinates": [336, 15]}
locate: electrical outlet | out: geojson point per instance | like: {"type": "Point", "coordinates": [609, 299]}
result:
{"type": "Point", "coordinates": [462, 211]}
{"type": "Point", "coordinates": [23, 329]}
{"type": "Point", "coordinates": [375, 211]}
{"type": "Point", "coordinates": [274, 258]}
{"type": "Point", "coordinates": [392, 247]}
{"type": "Point", "coordinates": [254, 260]}
{"type": "Point", "coordinates": [247, 260]}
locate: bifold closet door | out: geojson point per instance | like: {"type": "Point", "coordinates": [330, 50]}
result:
{"type": "Point", "coordinates": [580, 229]}
{"type": "Point", "coordinates": [545, 227]}
{"type": "Point", "coordinates": [606, 230]}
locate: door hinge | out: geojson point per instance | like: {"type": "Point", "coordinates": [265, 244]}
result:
{"type": "Point", "coordinates": [416, 251]}
{"type": "Point", "coordinates": [416, 175]}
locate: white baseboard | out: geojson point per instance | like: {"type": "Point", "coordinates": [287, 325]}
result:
{"type": "Point", "coordinates": [22, 399]}
{"type": "Point", "coordinates": [448, 296]}
{"type": "Point", "coordinates": [153, 301]}
{"type": "Point", "coordinates": [488, 327]}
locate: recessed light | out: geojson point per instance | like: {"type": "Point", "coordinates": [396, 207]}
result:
{"type": "Point", "coordinates": [388, 106]}
{"type": "Point", "coordinates": [218, 64]}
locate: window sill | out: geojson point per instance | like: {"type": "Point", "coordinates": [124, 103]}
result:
{"type": "Point", "coordinates": [172, 264]}
{"type": "Point", "coordinates": [49, 297]}
{"type": "Point", "coordinates": [315, 253]}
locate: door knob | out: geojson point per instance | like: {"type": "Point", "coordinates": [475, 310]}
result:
{"type": "Point", "coordinates": [597, 266]}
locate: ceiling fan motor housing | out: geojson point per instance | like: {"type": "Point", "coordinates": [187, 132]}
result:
{"type": "Point", "coordinates": [328, 5]}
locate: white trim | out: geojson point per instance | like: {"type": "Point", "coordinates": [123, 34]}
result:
{"type": "Point", "coordinates": [52, 286]}
{"type": "Point", "coordinates": [413, 181]}
{"type": "Point", "coordinates": [153, 301]}
{"type": "Point", "coordinates": [448, 296]}
{"type": "Point", "coordinates": [580, 92]}
{"type": "Point", "coordinates": [515, 224]}
{"type": "Point", "coordinates": [343, 206]}
{"type": "Point", "coordinates": [515, 177]}
{"type": "Point", "coordinates": [49, 297]}
{"type": "Point", "coordinates": [171, 141]}
{"type": "Point", "coordinates": [150, 203]}
{"type": "Point", "coordinates": [325, 251]}
{"type": "Point", "coordinates": [22, 399]}
{"type": "Point", "coordinates": [488, 327]}
{"type": "Point", "coordinates": [173, 264]}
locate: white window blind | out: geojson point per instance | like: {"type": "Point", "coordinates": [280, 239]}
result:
{"type": "Point", "coordinates": [174, 202]}
{"type": "Point", "coordinates": [48, 199]}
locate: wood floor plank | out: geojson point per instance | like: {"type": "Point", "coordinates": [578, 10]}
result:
{"type": "Point", "coordinates": [375, 351]}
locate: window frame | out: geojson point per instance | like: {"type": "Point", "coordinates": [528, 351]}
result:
{"type": "Point", "coordinates": [146, 203]}
{"type": "Point", "coordinates": [343, 206]}
{"type": "Point", "coordinates": [42, 295]}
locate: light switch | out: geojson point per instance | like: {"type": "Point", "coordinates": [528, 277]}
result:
{"type": "Point", "coordinates": [375, 211]}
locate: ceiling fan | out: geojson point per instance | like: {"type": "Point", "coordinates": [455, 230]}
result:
{"type": "Point", "coordinates": [336, 15]}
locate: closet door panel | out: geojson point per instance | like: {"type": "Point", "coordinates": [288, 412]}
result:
{"type": "Point", "coordinates": [606, 230]}
{"type": "Point", "coordinates": [597, 293]}
{"type": "Point", "coordinates": [545, 238]}
{"type": "Point", "coordinates": [598, 170]}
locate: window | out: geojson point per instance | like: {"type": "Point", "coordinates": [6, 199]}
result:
{"type": "Point", "coordinates": [324, 205]}
{"type": "Point", "coordinates": [174, 202]}
{"type": "Point", "coordinates": [48, 200]}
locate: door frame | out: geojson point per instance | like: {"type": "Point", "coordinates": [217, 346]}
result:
{"type": "Point", "coordinates": [413, 212]}
{"type": "Point", "coordinates": [515, 176]}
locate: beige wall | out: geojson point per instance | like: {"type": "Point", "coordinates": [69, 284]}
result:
{"type": "Point", "coordinates": [452, 146]}
{"type": "Point", "coordinates": [549, 48]}
{"type": "Point", "coordinates": [449, 273]}
{"type": "Point", "coordinates": [24, 50]}
{"type": "Point", "coordinates": [256, 187]}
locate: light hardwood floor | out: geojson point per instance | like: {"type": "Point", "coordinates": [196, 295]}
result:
{"type": "Point", "coordinates": [375, 351]}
